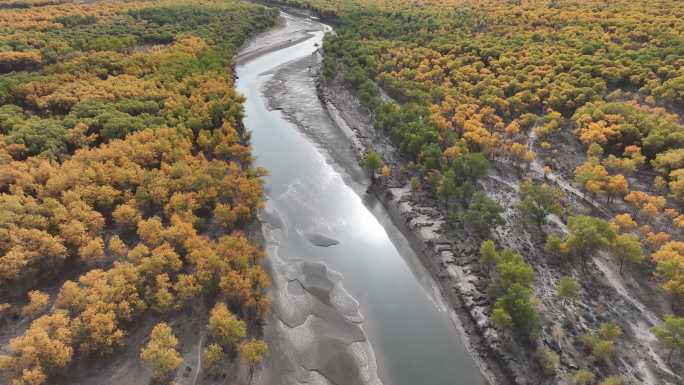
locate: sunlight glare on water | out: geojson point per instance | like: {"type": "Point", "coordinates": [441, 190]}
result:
{"type": "Point", "coordinates": [414, 340]}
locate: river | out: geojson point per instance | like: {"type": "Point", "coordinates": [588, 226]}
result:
{"type": "Point", "coordinates": [352, 303]}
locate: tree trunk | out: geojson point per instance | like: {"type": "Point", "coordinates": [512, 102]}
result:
{"type": "Point", "coordinates": [622, 265]}
{"type": "Point", "coordinates": [540, 222]}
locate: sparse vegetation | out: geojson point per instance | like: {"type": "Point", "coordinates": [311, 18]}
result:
{"type": "Point", "coordinates": [548, 360]}
{"type": "Point", "coordinates": [583, 377]}
{"type": "Point", "coordinates": [567, 289]}
{"type": "Point", "coordinates": [601, 343]}
{"type": "Point", "coordinates": [372, 163]}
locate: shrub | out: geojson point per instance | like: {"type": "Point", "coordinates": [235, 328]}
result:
{"type": "Point", "coordinates": [212, 355]}
{"type": "Point", "coordinates": [547, 359]}
{"type": "Point", "coordinates": [583, 377]}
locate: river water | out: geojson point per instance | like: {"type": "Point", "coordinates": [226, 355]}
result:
{"type": "Point", "coordinates": [362, 311]}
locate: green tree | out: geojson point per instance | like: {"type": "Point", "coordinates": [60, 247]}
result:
{"type": "Point", "coordinates": [415, 184]}
{"type": "Point", "coordinates": [212, 355]}
{"type": "Point", "coordinates": [610, 331]}
{"type": "Point", "coordinates": [40, 136]}
{"type": "Point", "coordinates": [538, 201]}
{"type": "Point", "coordinates": [548, 359]}
{"type": "Point", "coordinates": [601, 343]}
{"type": "Point", "coordinates": [553, 244]}
{"type": "Point", "coordinates": [45, 347]}
{"type": "Point", "coordinates": [470, 167]}
{"type": "Point", "coordinates": [372, 162]}
{"type": "Point", "coordinates": [627, 248]}
{"type": "Point", "coordinates": [252, 353]}
{"type": "Point", "coordinates": [488, 254]}
{"type": "Point", "coordinates": [513, 269]}
{"type": "Point", "coordinates": [602, 350]}
{"type": "Point", "coordinates": [447, 188]}
{"type": "Point", "coordinates": [38, 302]}
{"type": "Point", "coordinates": [483, 213]}
{"type": "Point", "coordinates": [513, 286]}
{"type": "Point", "coordinates": [594, 152]}
{"type": "Point", "coordinates": [517, 303]}
{"type": "Point", "coordinates": [586, 235]}
{"type": "Point", "coordinates": [501, 318]}
{"type": "Point", "coordinates": [671, 334]}
{"type": "Point", "coordinates": [160, 353]}
{"type": "Point", "coordinates": [225, 326]}
{"type": "Point", "coordinates": [465, 193]}
{"type": "Point", "coordinates": [567, 289]}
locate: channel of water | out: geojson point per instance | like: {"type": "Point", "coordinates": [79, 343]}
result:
{"type": "Point", "coordinates": [360, 307]}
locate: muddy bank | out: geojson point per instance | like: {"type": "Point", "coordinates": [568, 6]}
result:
{"type": "Point", "coordinates": [284, 34]}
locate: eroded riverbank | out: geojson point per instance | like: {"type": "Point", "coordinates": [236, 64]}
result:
{"type": "Point", "coordinates": [450, 251]}
{"type": "Point", "coordinates": [361, 311]}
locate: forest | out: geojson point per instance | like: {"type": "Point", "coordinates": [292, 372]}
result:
{"type": "Point", "coordinates": [127, 185]}
{"type": "Point", "coordinates": [584, 100]}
